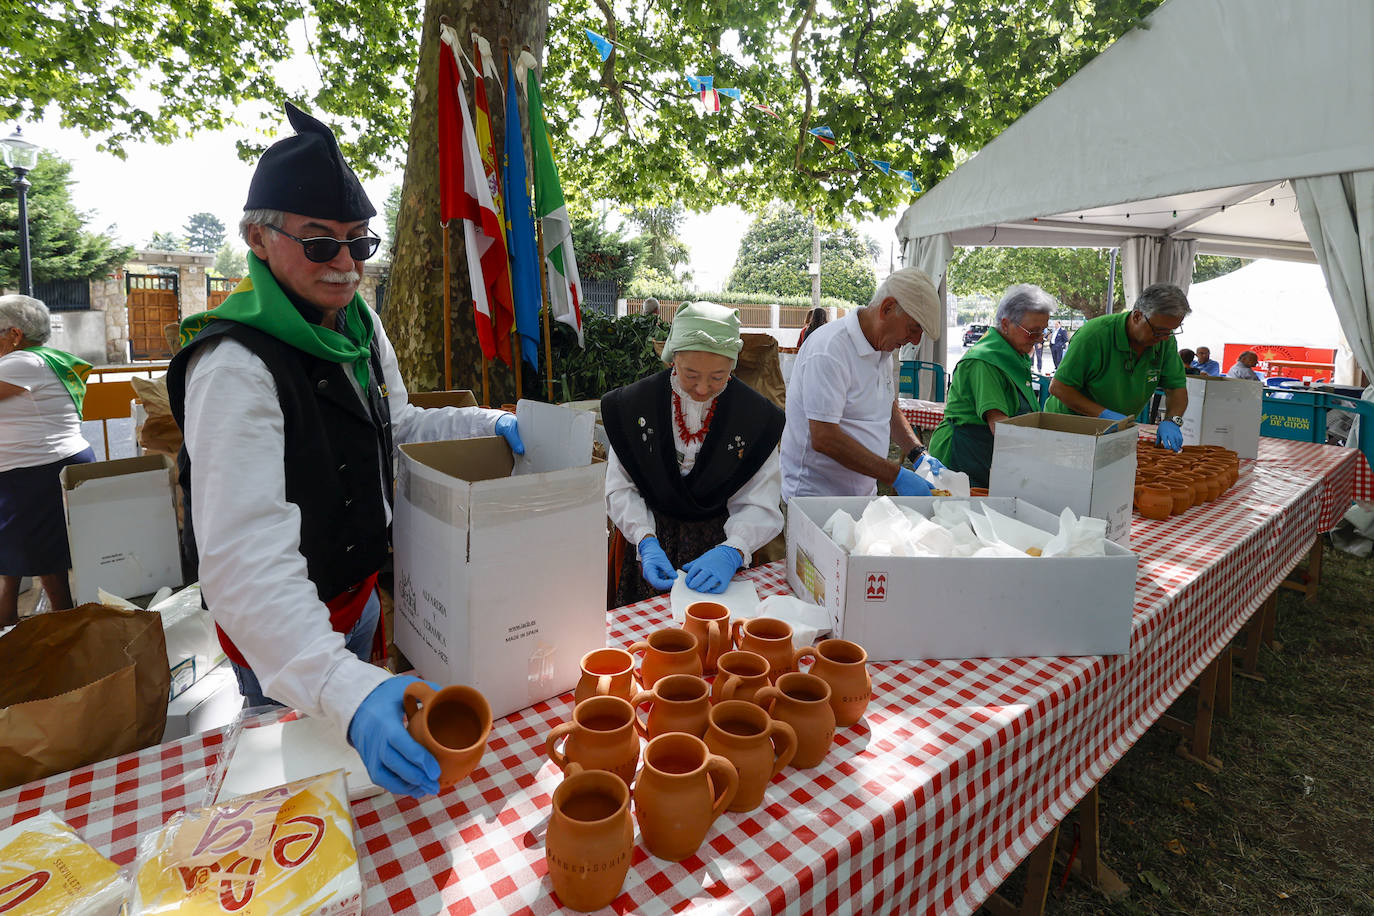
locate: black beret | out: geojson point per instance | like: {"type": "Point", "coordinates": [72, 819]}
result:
{"type": "Point", "coordinates": [307, 174]}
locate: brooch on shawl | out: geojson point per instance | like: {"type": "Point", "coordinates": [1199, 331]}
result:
{"type": "Point", "coordinates": [739, 445]}
{"type": "Point", "coordinates": [646, 434]}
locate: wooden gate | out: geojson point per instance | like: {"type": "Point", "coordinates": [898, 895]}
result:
{"type": "Point", "coordinates": [152, 302]}
{"type": "Point", "coordinates": [217, 289]}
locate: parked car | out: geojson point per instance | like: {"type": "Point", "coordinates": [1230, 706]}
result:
{"type": "Point", "coordinates": [974, 333]}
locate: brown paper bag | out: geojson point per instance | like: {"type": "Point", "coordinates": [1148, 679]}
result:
{"type": "Point", "coordinates": [80, 686]}
{"type": "Point", "coordinates": [159, 432]}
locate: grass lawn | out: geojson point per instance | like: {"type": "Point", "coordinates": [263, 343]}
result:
{"type": "Point", "coordinates": [1287, 826]}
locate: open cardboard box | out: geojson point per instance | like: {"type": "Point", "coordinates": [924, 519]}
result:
{"type": "Point", "coordinates": [1225, 412]}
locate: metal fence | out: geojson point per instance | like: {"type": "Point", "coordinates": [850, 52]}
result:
{"type": "Point", "coordinates": [64, 295]}
{"type": "Point", "coordinates": [600, 296]}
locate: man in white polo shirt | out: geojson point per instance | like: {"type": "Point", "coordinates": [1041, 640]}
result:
{"type": "Point", "coordinates": [841, 401]}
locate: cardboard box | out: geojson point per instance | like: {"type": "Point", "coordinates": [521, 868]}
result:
{"type": "Point", "coordinates": [1225, 412]}
{"type": "Point", "coordinates": [1058, 461]}
{"type": "Point", "coordinates": [211, 702]}
{"type": "Point", "coordinates": [122, 526]}
{"type": "Point", "coordinates": [501, 565]}
{"type": "Point", "coordinates": [458, 397]}
{"type": "Point", "coordinates": [908, 608]}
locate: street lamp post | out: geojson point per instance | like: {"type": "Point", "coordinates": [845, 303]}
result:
{"type": "Point", "coordinates": [21, 156]}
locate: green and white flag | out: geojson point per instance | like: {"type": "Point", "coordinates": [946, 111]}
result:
{"type": "Point", "coordinates": [565, 286]}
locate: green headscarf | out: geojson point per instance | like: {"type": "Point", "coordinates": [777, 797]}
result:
{"type": "Point", "coordinates": [258, 301]}
{"type": "Point", "coordinates": [704, 326]}
{"type": "Point", "coordinates": [71, 371]}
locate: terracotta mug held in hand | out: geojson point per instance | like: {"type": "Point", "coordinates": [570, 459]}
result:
{"type": "Point", "coordinates": [844, 666]}
{"type": "Point", "coordinates": [739, 676]}
{"type": "Point", "coordinates": [803, 702]}
{"type": "Point", "coordinates": [452, 724]}
{"type": "Point", "coordinates": [606, 672]}
{"type": "Point", "coordinates": [667, 651]}
{"type": "Point", "coordinates": [601, 736]}
{"type": "Point", "coordinates": [709, 622]}
{"type": "Point", "coordinates": [590, 840]}
{"type": "Point", "coordinates": [769, 638]}
{"type": "Point", "coordinates": [682, 790]}
{"type": "Point", "coordinates": [758, 745]}
{"type": "Point", "coordinates": [681, 703]}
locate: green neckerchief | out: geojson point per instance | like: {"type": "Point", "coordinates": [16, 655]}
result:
{"type": "Point", "coordinates": [259, 302]}
{"type": "Point", "coordinates": [71, 370]}
{"type": "Point", "coordinates": [994, 350]}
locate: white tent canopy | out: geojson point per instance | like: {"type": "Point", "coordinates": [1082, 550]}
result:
{"type": "Point", "coordinates": [1265, 302]}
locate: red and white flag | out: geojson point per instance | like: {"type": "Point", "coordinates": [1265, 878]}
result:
{"type": "Point", "coordinates": [465, 194]}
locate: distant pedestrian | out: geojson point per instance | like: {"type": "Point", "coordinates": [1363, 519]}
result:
{"type": "Point", "coordinates": [1205, 364]}
{"type": "Point", "coordinates": [1059, 342]}
{"type": "Point", "coordinates": [817, 317]}
{"type": "Point", "coordinates": [1040, 354]}
{"type": "Point", "coordinates": [1189, 358]}
{"type": "Point", "coordinates": [1245, 367]}
{"type": "Point", "coordinates": [650, 307]}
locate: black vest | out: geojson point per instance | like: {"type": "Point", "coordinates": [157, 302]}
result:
{"type": "Point", "coordinates": [338, 452]}
{"type": "Point", "coordinates": [745, 429]}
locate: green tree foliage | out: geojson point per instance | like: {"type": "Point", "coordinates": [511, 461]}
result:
{"type": "Point", "coordinates": [604, 253]}
{"type": "Point", "coordinates": [775, 251]}
{"type": "Point", "coordinates": [1077, 277]}
{"type": "Point", "coordinates": [59, 247]}
{"type": "Point", "coordinates": [166, 241]}
{"type": "Point", "coordinates": [1211, 266]}
{"type": "Point", "coordinates": [390, 208]}
{"type": "Point", "coordinates": [204, 232]}
{"type": "Point", "coordinates": [230, 261]}
{"type": "Point", "coordinates": [619, 351]}
{"type": "Point", "coordinates": [662, 252]}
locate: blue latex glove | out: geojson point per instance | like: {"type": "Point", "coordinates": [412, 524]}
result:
{"type": "Point", "coordinates": [394, 760]}
{"type": "Point", "coordinates": [507, 428]}
{"type": "Point", "coordinates": [712, 571]}
{"type": "Point", "coordinates": [1111, 415]}
{"type": "Point", "coordinates": [931, 462]}
{"type": "Point", "coordinates": [654, 563]}
{"type": "Point", "coordinates": [1169, 435]}
{"type": "Point", "coordinates": [909, 483]}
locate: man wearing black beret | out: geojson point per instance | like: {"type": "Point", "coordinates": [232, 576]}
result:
{"type": "Point", "coordinates": [292, 403]}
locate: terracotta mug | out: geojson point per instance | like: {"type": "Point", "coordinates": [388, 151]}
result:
{"type": "Point", "coordinates": [590, 840]}
{"type": "Point", "coordinates": [681, 703]}
{"type": "Point", "coordinates": [769, 638]}
{"type": "Point", "coordinates": [682, 790]}
{"type": "Point", "coordinates": [803, 702]}
{"type": "Point", "coordinates": [601, 736]}
{"type": "Point", "coordinates": [844, 666]}
{"type": "Point", "coordinates": [667, 651]}
{"type": "Point", "coordinates": [758, 745]}
{"type": "Point", "coordinates": [709, 622]}
{"type": "Point", "coordinates": [606, 672]}
{"type": "Point", "coordinates": [452, 724]}
{"type": "Point", "coordinates": [739, 676]}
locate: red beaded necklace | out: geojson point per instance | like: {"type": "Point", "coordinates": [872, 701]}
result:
{"type": "Point", "coordinates": [699, 435]}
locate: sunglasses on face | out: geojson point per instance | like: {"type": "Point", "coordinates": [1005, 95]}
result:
{"type": "Point", "coordinates": [322, 249]}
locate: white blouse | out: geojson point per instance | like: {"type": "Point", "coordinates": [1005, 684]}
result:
{"type": "Point", "coordinates": [41, 425]}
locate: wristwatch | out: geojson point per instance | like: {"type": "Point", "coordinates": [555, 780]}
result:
{"type": "Point", "coordinates": [1177, 419]}
{"type": "Point", "coordinates": [915, 454]}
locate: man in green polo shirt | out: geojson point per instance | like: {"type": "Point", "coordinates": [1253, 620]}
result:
{"type": "Point", "coordinates": [992, 382]}
{"type": "Point", "coordinates": [1115, 362]}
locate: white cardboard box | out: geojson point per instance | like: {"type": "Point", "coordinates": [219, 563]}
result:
{"type": "Point", "coordinates": [907, 608]}
{"type": "Point", "coordinates": [211, 702]}
{"type": "Point", "coordinates": [1059, 461]}
{"type": "Point", "coordinates": [501, 579]}
{"type": "Point", "coordinates": [1225, 412]}
{"type": "Point", "coordinates": [122, 526]}
{"type": "Point", "coordinates": [193, 648]}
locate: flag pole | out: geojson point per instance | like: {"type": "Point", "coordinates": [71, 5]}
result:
{"type": "Point", "coordinates": [515, 328]}
{"type": "Point", "coordinates": [547, 308]}
{"type": "Point", "coordinates": [486, 382]}
{"type": "Point", "coordinates": [448, 319]}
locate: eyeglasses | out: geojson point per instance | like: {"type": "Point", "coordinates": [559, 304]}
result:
{"type": "Point", "coordinates": [1161, 332]}
{"type": "Point", "coordinates": [1034, 335]}
{"type": "Point", "coordinates": [322, 249]}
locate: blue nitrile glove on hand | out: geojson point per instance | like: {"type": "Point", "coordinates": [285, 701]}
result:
{"type": "Point", "coordinates": [394, 759]}
{"type": "Point", "coordinates": [654, 563]}
{"type": "Point", "coordinates": [1169, 435]}
{"type": "Point", "coordinates": [1111, 415]}
{"type": "Point", "coordinates": [909, 483]}
{"type": "Point", "coordinates": [712, 571]}
{"type": "Point", "coordinates": [931, 463]}
{"type": "Point", "coordinates": [508, 429]}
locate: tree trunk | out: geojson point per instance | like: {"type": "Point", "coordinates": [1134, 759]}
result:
{"type": "Point", "coordinates": [415, 293]}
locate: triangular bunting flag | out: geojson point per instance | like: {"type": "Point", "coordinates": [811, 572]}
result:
{"type": "Point", "coordinates": [603, 47]}
{"type": "Point", "coordinates": [732, 93]}
{"type": "Point", "coordinates": [884, 167]}
{"type": "Point", "coordinates": [825, 135]}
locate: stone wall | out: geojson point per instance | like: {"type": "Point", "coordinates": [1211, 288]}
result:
{"type": "Point", "coordinates": [107, 296]}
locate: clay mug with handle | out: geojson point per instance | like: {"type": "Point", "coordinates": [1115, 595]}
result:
{"type": "Point", "coordinates": [681, 703]}
{"type": "Point", "coordinates": [709, 622]}
{"type": "Point", "coordinates": [590, 841]}
{"type": "Point", "coordinates": [671, 650]}
{"type": "Point", "coordinates": [682, 790]}
{"type": "Point", "coordinates": [452, 724]}
{"type": "Point", "coordinates": [601, 736]}
{"type": "Point", "coordinates": [844, 666]}
{"type": "Point", "coordinates": [758, 745]}
{"type": "Point", "coordinates": [606, 673]}
{"type": "Point", "coordinates": [767, 637]}
{"type": "Point", "coordinates": [739, 676]}
{"type": "Point", "coordinates": [803, 702]}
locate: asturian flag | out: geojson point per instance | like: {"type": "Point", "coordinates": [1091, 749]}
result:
{"type": "Point", "coordinates": [565, 286]}
{"type": "Point", "coordinates": [524, 250]}
{"type": "Point", "coordinates": [464, 194]}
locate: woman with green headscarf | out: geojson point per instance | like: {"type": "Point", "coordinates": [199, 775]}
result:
{"type": "Point", "coordinates": [693, 480]}
{"type": "Point", "coordinates": [992, 382]}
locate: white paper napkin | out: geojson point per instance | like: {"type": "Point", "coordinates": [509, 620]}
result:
{"type": "Point", "coordinates": [272, 755]}
{"type": "Point", "coordinates": [740, 597]}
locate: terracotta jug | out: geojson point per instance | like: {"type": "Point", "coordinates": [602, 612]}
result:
{"type": "Point", "coordinates": [590, 841]}
{"type": "Point", "coordinates": [681, 703]}
{"type": "Point", "coordinates": [1182, 494]}
{"type": "Point", "coordinates": [709, 622]}
{"type": "Point", "coordinates": [1155, 501]}
{"type": "Point", "coordinates": [682, 790]}
{"type": "Point", "coordinates": [769, 638]}
{"type": "Point", "coordinates": [758, 746]}
{"type": "Point", "coordinates": [606, 673]}
{"type": "Point", "coordinates": [452, 724]}
{"type": "Point", "coordinates": [601, 736]}
{"type": "Point", "coordinates": [803, 702]}
{"type": "Point", "coordinates": [844, 666]}
{"type": "Point", "coordinates": [667, 651]}
{"type": "Point", "coordinates": [739, 676]}
{"type": "Point", "coordinates": [977, 491]}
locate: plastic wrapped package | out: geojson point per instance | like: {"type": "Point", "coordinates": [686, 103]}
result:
{"type": "Point", "coordinates": [46, 870]}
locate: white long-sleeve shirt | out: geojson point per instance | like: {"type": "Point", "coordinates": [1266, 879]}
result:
{"type": "Point", "coordinates": [252, 572]}
{"type": "Point", "coordinates": [755, 515]}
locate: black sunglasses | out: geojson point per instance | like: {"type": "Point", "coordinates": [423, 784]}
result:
{"type": "Point", "coordinates": [322, 249]}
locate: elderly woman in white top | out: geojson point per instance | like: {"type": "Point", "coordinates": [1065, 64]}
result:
{"type": "Point", "coordinates": [41, 391]}
{"type": "Point", "coordinates": [693, 480]}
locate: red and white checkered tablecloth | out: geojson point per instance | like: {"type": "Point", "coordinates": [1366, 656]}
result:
{"type": "Point", "coordinates": [960, 769]}
{"type": "Point", "coordinates": [922, 414]}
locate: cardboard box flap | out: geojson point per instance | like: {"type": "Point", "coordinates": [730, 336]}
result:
{"type": "Point", "coordinates": [461, 397]}
{"type": "Point", "coordinates": [555, 437]}
{"type": "Point", "coordinates": [465, 460]}
{"type": "Point", "coordinates": [1069, 423]}
{"type": "Point", "coordinates": [74, 475]}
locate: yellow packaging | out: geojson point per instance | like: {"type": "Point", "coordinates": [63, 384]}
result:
{"type": "Point", "coordinates": [283, 851]}
{"type": "Point", "coordinates": [46, 870]}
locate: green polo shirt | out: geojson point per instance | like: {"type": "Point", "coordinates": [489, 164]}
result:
{"type": "Point", "coordinates": [1101, 364]}
{"type": "Point", "coordinates": [987, 378]}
